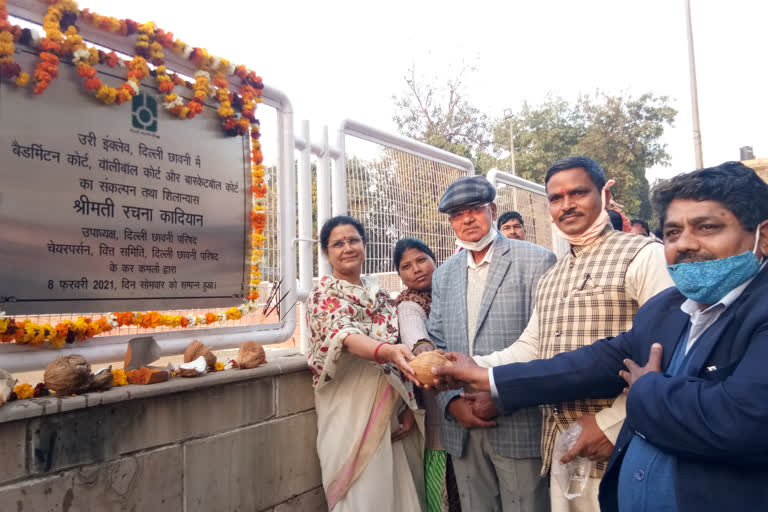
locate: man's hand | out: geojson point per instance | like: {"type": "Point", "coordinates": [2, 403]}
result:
{"type": "Point", "coordinates": [482, 405]}
{"type": "Point", "coordinates": [407, 421]}
{"type": "Point", "coordinates": [461, 409]}
{"type": "Point", "coordinates": [635, 371]}
{"type": "Point", "coordinates": [423, 347]}
{"type": "Point", "coordinates": [463, 373]}
{"type": "Point", "coordinates": [591, 444]}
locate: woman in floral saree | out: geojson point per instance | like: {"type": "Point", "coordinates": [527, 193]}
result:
{"type": "Point", "coordinates": [370, 433]}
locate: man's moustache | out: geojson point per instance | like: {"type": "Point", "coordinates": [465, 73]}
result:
{"type": "Point", "coordinates": [571, 214]}
{"type": "Point", "coordinates": [692, 257]}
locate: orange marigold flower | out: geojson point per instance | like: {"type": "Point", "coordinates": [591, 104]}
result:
{"type": "Point", "coordinates": [184, 321]}
{"type": "Point", "coordinates": [211, 318]}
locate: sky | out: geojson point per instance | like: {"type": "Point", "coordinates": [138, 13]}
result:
{"type": "Point", "coordinates": [338, 59]}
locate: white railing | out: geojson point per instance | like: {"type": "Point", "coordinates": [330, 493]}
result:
{"type": "Point", "coordinates": [530, 200]}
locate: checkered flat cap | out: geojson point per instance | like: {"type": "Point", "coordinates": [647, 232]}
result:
{"type": "Point", "coordinates": [467, 191]}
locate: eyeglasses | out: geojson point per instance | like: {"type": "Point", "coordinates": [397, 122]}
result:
{"type": "Point", "coordinates": [352, 241]}
{"type": "Point", "coordinates": [473, 210]}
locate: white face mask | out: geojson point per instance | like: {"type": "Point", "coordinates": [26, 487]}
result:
{"type": "Point", "coordinates": [480, 244]}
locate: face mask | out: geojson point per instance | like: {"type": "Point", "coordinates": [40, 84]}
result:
{"type": "Point", "coordinates": [593, 231]}
{"type": "Point", "coordinates": [480, 244]}
{"type": "Point", "coordinates": [707, 282]}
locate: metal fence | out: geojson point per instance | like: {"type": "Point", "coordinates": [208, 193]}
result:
{"type": "Point", "coordinates": [395, 194]}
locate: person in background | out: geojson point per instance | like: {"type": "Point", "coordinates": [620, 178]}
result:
{"type": "Point", "coordinates": [511, 225]}
{"type": "Point", "coordinates": [640, 227]}
{"type": "Point", "coordinates": [482, 298]}
{"type": "Point", "coordinates": [593, 291]}
{"type": "Point", "coordinates": [694, 439]}
{"type": "Point", "coordinates": [415, 264]}
{"type": "Point", "coordinates": [616, 221]}
{"type": "Point", "coordinates": [369, 436]}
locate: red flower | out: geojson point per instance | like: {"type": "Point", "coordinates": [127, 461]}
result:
{"type": "Point", "coordinates": [330, 304]}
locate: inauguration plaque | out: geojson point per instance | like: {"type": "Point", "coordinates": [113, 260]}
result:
{"type": "Point", "coordinates": [117, 207]}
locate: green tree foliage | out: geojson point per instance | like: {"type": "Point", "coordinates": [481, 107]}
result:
{"type": "Point", "coordinates": [442, 117]}
{"type": "Point", "coordinates": [621, 132]}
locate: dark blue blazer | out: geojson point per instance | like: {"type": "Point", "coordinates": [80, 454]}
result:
{"type": "Point", "coordinates": [714, 419]}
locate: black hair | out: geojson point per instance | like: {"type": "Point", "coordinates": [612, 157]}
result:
{"type": "Point", "coordinates": [737, 187]}
{"type": "Point", "coordinates": [616, 221]}
{"type": "Point", "coordinates": [339, 220]}
{"type": "Point", "coordinates": [596, 173]}
{"type": "Point", "coordinates": [410, 243]}
{"type": "Point", "coordinates": [643, 224]}
{"type": "Point", "coordinates": [508, 216]}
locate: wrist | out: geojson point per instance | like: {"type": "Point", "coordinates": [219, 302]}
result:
{"type": "Point", "coordinates": [380, 353]}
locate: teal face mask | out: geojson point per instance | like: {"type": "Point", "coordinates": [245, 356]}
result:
{"type": "Point", "coordinates": [707, 282]}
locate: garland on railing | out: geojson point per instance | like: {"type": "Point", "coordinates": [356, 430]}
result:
{"type": "Point", "coordinates": [62, 40]}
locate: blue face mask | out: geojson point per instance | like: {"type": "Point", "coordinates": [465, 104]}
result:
{"type": "Point", "coordinates": [707, 282]}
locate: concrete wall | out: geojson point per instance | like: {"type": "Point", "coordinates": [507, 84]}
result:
{"type": "Point", "coordinates": [240, 440]}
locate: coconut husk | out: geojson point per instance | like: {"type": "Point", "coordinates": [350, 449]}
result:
{"type": "Point", "coordinates": [423, 363]}
{"type": "Point", "coordinates": [250, 355]}
{"type": "Point", "coordinates": [102, 380]}
{"type": "Point", "coordinates": [197, 349]}
{"type": "Point", "coordinates": [68, 375]}
{"type": "Point", "coordinates": [7, 383]}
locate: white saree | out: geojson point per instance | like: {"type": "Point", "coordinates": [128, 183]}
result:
{"type": "Point", "coordinates": [357, 403]}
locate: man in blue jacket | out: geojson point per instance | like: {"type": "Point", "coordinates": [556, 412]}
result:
{"type": "Point", "coordinates": [694, 362]}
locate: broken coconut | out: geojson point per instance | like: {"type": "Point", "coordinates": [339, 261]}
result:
{"type": "Point", "coordinates": [423, 363]}
{"type": "Point", "coordinates": [251, 355]}
{"type": "Point", "coordinates": [67, 375]}
{"type": "Point", "coordinates": [102, 380]}
{"type": "Point", "coordinates": [197, 349]}
{"type": "Point", "coordinates": [194, 368]}
{"type": "Point", "coordinates": [7, 382]}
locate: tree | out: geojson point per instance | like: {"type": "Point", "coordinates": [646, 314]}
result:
{"type": "Point", "coordinates": [442, 117]}
{"type": "Point", "coordinates": [621, 132]}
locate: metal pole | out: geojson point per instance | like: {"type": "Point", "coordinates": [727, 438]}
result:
{"type": "Point", "coordinates": [339, 178]}
{"type": "Point", "coordinates": [512, 146]}
{"type": "Point", "coordinates": [694, 92]}
{"type": "Point", "coordinates": [323, 200]}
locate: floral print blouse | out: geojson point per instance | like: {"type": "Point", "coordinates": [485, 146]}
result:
{"type": "Point", "coordinates": [336, 309]}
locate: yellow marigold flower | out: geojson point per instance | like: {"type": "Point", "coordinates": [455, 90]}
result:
{"type": "Point", "coordinates": [24, 391]}
{"type": "Point", "coordinates": [119, 378]}
{"type": "Point", "coordinates": [219, 366]}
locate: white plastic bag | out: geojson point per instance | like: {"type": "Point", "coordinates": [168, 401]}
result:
{"type": "Point", "coordinates": [571, 477]}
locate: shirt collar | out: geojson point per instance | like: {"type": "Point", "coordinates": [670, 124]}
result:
{"type": "Point", "coordinates": [691, 307]}
{"type": "Point", "coordinates": [486, 259]}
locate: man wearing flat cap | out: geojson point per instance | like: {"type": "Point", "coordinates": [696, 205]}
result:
{"type": "Point", "coordinates": [482, 298]}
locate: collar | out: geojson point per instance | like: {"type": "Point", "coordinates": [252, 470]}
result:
{"type": "Point", "coordinates": [485, 261]}
{"type": "Point", "coordinates": [691, 307]}
{"type": "Point", "coordinates": [577, 250]}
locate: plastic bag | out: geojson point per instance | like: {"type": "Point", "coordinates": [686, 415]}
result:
{"type": "Point", "coordinates": [571, 477]}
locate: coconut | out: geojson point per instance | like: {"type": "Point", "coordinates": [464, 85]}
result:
{"type": "Point", "coordinates": [194, 368]}
{"type": "Point", "coordinates": [197, 349]}
{"type": "Point", "coordinates": [7, 382]}
{"type": "Point", "coordinates": [67, 375]}
{"type": "Point", "coordinates": [423, 363]}
{"type": "Point", "coordinates": [102, 380]}
{"type": "Point", "coordinates": [251, 355]}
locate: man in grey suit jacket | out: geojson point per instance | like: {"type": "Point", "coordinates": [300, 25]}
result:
{"type": "Point", "coordinates": [482, 298]}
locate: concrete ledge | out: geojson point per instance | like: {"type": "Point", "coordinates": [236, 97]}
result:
{"type": "Point", "coordinates": [279, 362]}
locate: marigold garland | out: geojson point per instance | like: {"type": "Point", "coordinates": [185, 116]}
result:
{"type": "Point", "coordinates": [61, 15]}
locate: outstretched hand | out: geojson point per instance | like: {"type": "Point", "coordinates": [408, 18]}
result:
{"type": "Point", "coordinates": [399, 355]}
{"type": "Point", "coordinates": [463, 373]}
{"type": "Point", "coordinates": [634, 372]}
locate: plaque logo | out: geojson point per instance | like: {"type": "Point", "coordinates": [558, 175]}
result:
{"type": "Point", "coordinates": [144, 113]}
